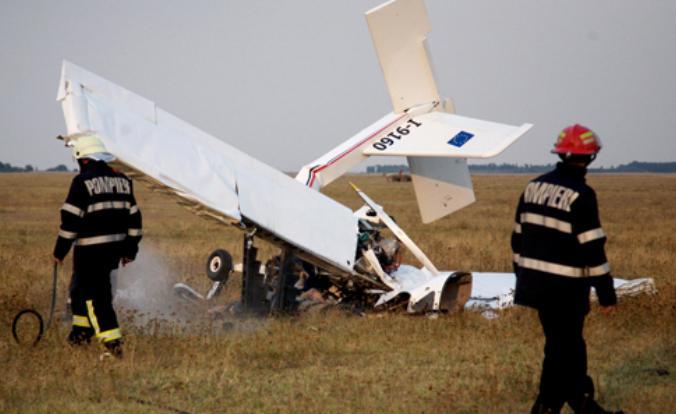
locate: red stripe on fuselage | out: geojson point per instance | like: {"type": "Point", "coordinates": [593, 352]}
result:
{"type": "Point", "coordinates": [349, 150]}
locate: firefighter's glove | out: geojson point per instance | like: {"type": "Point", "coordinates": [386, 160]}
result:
{"type": "Point", "coordinates": [605, 290]}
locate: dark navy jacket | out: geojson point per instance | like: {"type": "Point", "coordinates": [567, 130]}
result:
{"type": "Point", "coordinates": [558, 243]}
{"type": "Point", "coordinates": [100, 217]}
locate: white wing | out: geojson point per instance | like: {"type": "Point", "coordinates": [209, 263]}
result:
{"type": "Point", "coordinates": [217, 179]}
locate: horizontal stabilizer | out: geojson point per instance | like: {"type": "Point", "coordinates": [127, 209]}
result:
{"type": "Point", "coordinates": [440, 134]}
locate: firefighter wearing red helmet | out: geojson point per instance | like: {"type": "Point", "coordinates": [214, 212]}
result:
{"type": "Point", "coordinates": [577, 140]}
{"type": "Point", "coordinates": [558, 247]}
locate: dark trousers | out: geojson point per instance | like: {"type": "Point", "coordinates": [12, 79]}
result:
{"type": "Point", "coordinates": [564, 369]}
{"type": "Point", "coordinates": [92, 304]}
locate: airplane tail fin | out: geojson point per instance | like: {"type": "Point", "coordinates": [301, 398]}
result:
{"type": "Point", "coordinates": [399, 30]}
{"type": "Point", "coordinates": [422, 127]}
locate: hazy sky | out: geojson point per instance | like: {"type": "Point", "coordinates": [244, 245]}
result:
{"type": "Point", "coordinates": [287, 80]}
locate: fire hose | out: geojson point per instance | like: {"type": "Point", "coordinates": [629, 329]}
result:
{"type": "Point", "coordinates": [36, 314]}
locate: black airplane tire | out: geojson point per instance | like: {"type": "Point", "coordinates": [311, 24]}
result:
{"type": "Point", "coordinates": [219, 266]}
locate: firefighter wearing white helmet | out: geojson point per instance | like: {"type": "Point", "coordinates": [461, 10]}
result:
{"type": "Point", "coordinates": [558, 246]}
{"type": "Point", "coordinates": [88, 145]}
{"type": "Point", "coordinates": [101, 219]}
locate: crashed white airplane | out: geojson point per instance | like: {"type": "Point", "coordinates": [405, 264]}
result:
{"type": "Point", "coordinates": [337, 248]}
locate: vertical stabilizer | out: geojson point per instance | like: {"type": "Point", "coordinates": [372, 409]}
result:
{"type": "Point", "coordinates": [399, 29]}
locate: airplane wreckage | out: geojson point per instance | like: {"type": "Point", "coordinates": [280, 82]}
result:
{"type": "Point", "coordinates": [333, 254]}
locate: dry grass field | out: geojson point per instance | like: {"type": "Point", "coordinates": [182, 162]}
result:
{"type": "Point", "coordinates": [336, 362]}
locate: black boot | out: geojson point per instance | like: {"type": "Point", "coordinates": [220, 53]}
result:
{"type": "Point", "coordinates": [80, 336]}
{"type": "Point", "coordinates": [589, 406]}
{"type": "Point", "coordinates": [540, 408]}
{"type": "Point", "coordinates": [113, 349]}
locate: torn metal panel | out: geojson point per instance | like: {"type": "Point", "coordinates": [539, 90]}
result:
{"type": "Point", "coordinates": [398, 231]}
{"type": "Point", "coordinates": [427, 292]}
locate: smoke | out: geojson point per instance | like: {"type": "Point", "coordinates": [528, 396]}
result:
{"type": "Point", "coordinates": [145, 299]}
{"type": "Point", "coordinates": [144, 294]}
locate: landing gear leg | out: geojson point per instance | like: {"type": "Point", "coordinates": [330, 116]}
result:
{"type": "Point", "coordinates": [253, 286]}
{"type": "Point", "coordinates": [285, 299]}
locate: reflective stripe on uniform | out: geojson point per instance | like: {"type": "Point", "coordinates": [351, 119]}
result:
{"type": "Point", "coordinates": [133, 209]}
{"type": "Point", "coordinates": [590, 235]}
{"type": "Point", "coordinates": [108, 238]}
{"type": "Point", "coordinates": [598, 270]}
{"type": "Point", "coordinates": [92, 317]}
{"type": "Point", "coordinates": [517, 228]}
{"type": "Point", "coordinates": [109, 335]}
{"type": "Point", "coordinates": [72, 209]}
{"type": "Point", "coordinates": [108, 205]}
{"type": "Point", "coordinates": [563, 270]}
{"type": "Point", "coordinates": [550, 222]}
{"type": "Point", "coordinates": [549, 267]}
{"type": "Point", "coordinates": [67, 234]}
{"type": "Point", "coordinates": [81, 321]}
{"type": "Point", "coordinates": [135, 232]}
{"type": "Point", "coordinates": [105, 336]}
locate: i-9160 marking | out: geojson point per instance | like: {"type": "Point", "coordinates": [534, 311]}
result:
{"type": "Point", "coordinates": [392, 137]}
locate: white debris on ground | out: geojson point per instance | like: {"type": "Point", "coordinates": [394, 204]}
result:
{"type": "Point", "coordinates": [491, 290]}
{"type": "Point", "coordinates": [633, 287]}
{"type": "Point", "coordinates": [495, 291]}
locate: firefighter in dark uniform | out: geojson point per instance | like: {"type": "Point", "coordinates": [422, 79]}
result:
{"type": "Point", "coordinates": [101, 218]}
{"type": "Point", "coordinates": [558, 246]}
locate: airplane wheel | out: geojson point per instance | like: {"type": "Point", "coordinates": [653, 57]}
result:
{"type": "Point", "coordinates": [219, 265]}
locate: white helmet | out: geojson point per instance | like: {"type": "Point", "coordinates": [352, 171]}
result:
{"type": "Point", "coordinates": [88, 145]}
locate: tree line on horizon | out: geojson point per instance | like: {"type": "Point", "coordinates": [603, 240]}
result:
{"type": "Point", "coordinates": [632, 167]}
{"type": "Point", "coordinates": [7, 167]}
{"type": "Point", "coordinates": [492, 168]}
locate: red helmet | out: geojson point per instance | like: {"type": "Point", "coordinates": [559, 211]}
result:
{"type": "Point", "coordinates": [578, 140]}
